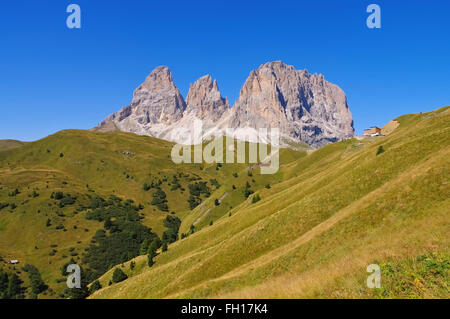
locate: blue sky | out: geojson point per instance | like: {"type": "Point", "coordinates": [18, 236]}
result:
{"type": "Point", "coordinates": [54, 78]}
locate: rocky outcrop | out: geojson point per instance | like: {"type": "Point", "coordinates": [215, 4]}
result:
{"type": "Point", "coordinates": [305, 107]}
{"type": "Point", "coordinates": [156, 102]}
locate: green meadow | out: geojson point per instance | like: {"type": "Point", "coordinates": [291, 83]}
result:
{"type": "Point", "coordinates": [308, 231]}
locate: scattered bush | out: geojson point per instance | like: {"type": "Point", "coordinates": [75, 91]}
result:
{"type": "Point", "coordinates": [36, 283]}
{"type": "Point", "coordinates": [247, 190]}
{"type": "Point", "coordinates": [118, 275]}
{"type": "Point", "coordinates": [173, 224]}
{"type": "Point", "coordinates": [256, 198]}
{"type": "Point", "coordinates": [94, 287]}
{"type": "Point", "coordinates": [380, 150]}
{"type": "Point", "coordinates": [159, 200]}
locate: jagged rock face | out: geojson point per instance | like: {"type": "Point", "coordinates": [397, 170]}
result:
{"type": "Point", "coordinates": [156, 101]}
{"type": "Point", "coordinates": [204, 99]}
{"type": "Point", "coordinates": [305, 107]}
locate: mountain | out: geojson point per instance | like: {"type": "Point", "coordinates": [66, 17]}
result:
{"type": "Point", "coordinates": [312, 234]}
{"type": "Point", "coordinates": [304, 107]}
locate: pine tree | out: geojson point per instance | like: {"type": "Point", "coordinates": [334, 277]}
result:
{"type": "Point", "coordinates": [380, 150]}
{"type": "Point", "coordinates": [94, 287]}
{"type": "Point", "coordinates": [14, 289]}
{"type": "Point", "coordinates": [144, 247]}
{"type": "Point", "coordinates": [118, 275]}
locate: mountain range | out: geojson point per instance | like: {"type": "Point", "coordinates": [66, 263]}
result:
{"type": "Point", "coordinates": [142, 226]}
{"type": "Point", "coordinates": [304, 107]}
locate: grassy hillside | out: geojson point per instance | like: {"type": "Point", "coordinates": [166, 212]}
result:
{"type": "Point", "coordinates": [36, 228]}
{"type": "Point", "coordinates": [10, 144]}
{"type": "Point", "coordinates": [325, 218]}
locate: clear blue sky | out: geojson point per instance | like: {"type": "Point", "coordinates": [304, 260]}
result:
{"type": "Point", "coordinates": [54, 78]}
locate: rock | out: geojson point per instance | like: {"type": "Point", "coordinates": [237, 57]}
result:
{"type": "Point", "coordinates": [204, 100]}
{"type": "Point", "coordinates": [156, 101]}
{"type": "Point", "coordinates": [305, 107]}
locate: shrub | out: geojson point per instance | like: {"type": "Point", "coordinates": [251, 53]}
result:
{"type": "Point", "coordinates": [150, 261]}
{"type": "Point", "coordinates": [118, 275]}
{"type": "Point", "coordinates": [14, 193]}
{"type": "Point", "coordinates": [126, 239]}
{"type": "Point", "coordinates": [256, 198]}
{"type": "Point", "coordinates": [199, 188]}
{"type": "Point", "coordinates": [380, 150]}
{"type": "Point", "coordinates": [247, 190]}
{"type": "Point", "coordinates": [159, 200]}
{"type": "Point", "coordinates": [215, 183]}
{"type": "Point", "coordinates": [194, 202]}
{"type": "Point", "coordinates": [173, 225]}
{"type": "Point", "coordinates": [36, 282]}
{"type": "Point", "coordinates": [94, 287]}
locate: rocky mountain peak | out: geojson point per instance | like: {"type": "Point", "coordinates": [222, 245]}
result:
{"type": "Point", "coordinates": [304, 107]}
{"type": "Point", "coordinates": [159, 79]}
{"type": "Point", "coordinates": [156, 101]}
{"type": "Point", "coordinates": [204, 99]}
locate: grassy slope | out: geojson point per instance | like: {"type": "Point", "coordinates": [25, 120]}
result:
{"type": "Point", "coordinates": [336, 211]}
{"type": "Point", "coordinates": [85, 163]}
{"type": "Point", "coordinates": [10, 144]}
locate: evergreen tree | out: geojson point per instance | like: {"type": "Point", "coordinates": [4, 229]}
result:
{"type": "Point", "coordinates": [256, 198]}
{"type": "Point", "coordinates": [153, 247]}
{"type": "Point", "coordinates": [94, 287]}
{"type": "Point", "coordinates": [144, 247]}
{"type": "Point", "coordinates": [159, 200]}
{"type": "Point", "coordinates": [14, 289]}
{"type": "Point", "coordinates": [150, 257]}
{"type": "Point", "coordinates": [247, 190]}
{"type": "Point", "coordinates": [380, 150]}
{"type": "Point", "coordinates": [36, 282]}
{"type": "Point", "coordinates": [118, 275]}
{"type": "Point", "coordinates": [3, 284]}
{"type": "Point", "coordinates": [83, 291]}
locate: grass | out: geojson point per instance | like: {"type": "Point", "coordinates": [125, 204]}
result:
{"type": "Point", "coordinates": [313, 233]}
{"type": "Point", "coordinates": [86, 163]}
{"type": "Point", "coordinates": [10, 144]}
